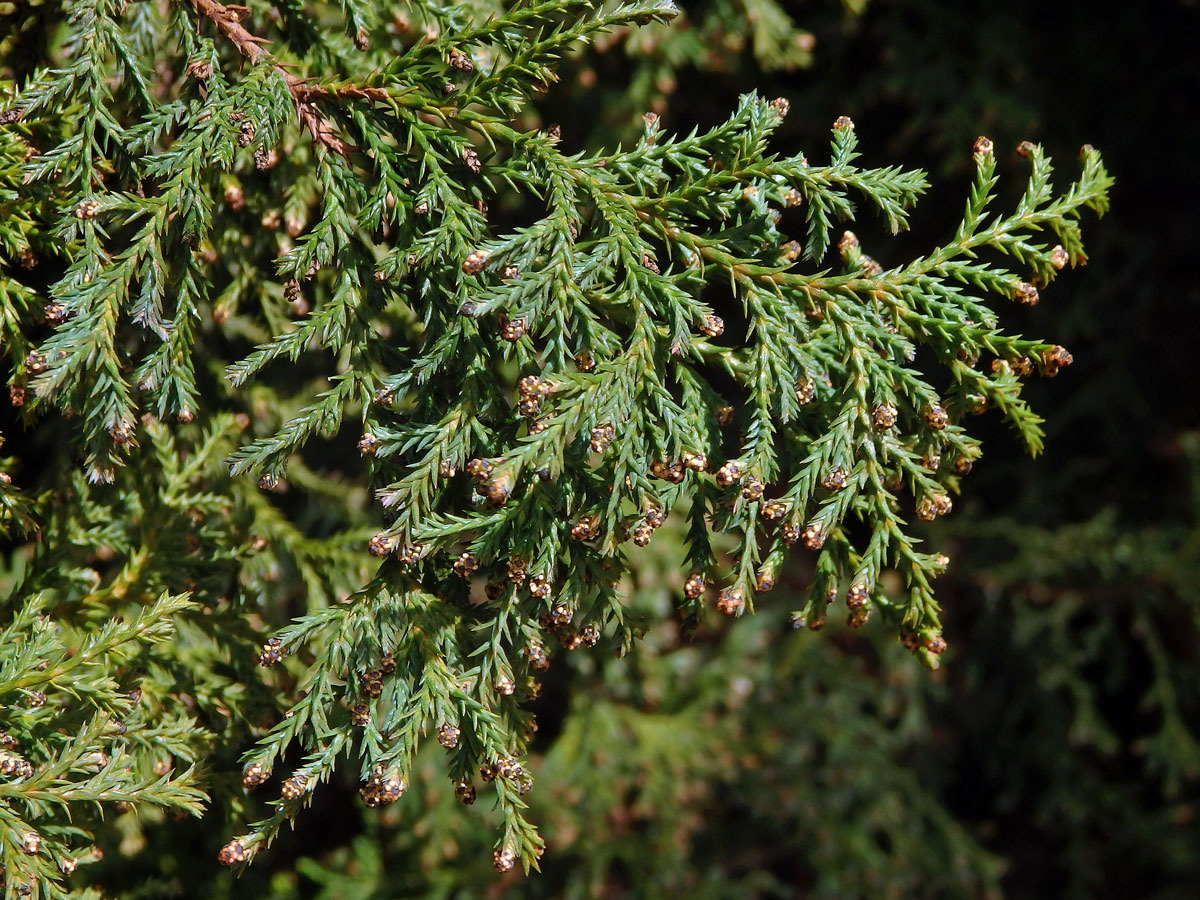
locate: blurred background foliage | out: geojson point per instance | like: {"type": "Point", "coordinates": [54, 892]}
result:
{"type": "Point", "coordinates": [1055, 753]}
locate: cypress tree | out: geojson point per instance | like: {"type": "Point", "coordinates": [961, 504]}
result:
{"type": "Point", "coordinates": [371, 394]}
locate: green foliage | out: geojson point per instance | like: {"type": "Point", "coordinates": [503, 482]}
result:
{"type": "Point", "coordinates": [95, 668]}
{"type": "Point", "coordinates": [283, 231]}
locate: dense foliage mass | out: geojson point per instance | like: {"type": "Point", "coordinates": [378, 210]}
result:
{"type": "Point", "coordinates": [367, 386]}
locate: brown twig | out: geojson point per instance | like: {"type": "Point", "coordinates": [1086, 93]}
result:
{"type": "Point", "coordinates": [228, 20]}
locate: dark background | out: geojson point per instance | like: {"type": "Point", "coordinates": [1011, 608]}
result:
{"type": "Point", "coordinates": [921, 80]}
{"type": "Point", "coordinates": [1071, 601]}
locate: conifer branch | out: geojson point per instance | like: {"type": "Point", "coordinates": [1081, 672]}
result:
{"type": "Point", "coordinates": [228, 21]}
{"type": "Point", "coordinates": [536, 401]}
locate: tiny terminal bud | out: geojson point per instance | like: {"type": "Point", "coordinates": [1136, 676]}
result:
{"type": "Point", "coordinates": [730, 601]}
{"type": "Point", "coordinates": [504, 859]}
{"type": "Point", "coordinates": [475, 262]}
{"type": "Point", "coordinates": [728, 474]}
{"type": "Point", "coordinates": [884, 416]}
{"type": "Point", "coordinates": [813, 536]}
{"type": "Point", "coordinates": [253, 775]}
{"type": "Point", "coordinates": [465, 792]}
{"type": "Point", "coordinates": [512, 330]}
{"type": "Point", "coordinates": [460, 61]}
{"type": "Point", "coordinates": [1025, 294]}
{"type": "Point", "coordinates": [936, 417]}
{"type": "Point", "coordinates": [295, 787]}
{"type": "Point", "coordinates": [233, 853]}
